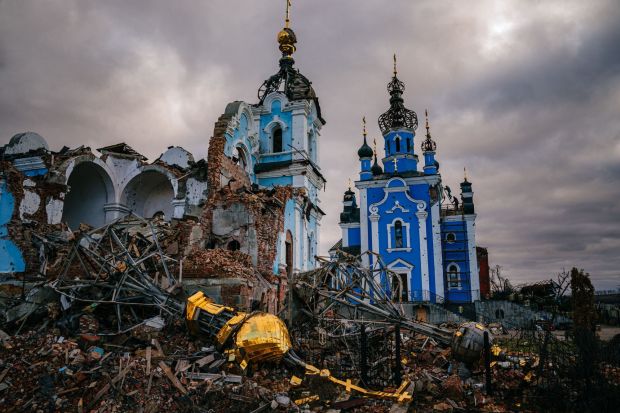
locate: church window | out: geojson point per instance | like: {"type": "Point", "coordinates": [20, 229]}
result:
{"type": "Point", "coordinates": [289, 252]}
{"type": "Point", "coordinates": [277, 140]}
{"type": "Point", "coordinates": [453, 276]}
{"type": "Point", "coordinates": [239, 158]}
{"type": "Point", "coordinates": [397, 141]}
{"type": "Point", "coordinates": [451, 237]}
{"type": "Point", "coordinates": [398, 234]}
{"type": "Point", "coordinates": [408, 144]}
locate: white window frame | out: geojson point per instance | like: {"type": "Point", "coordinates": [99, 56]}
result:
{"type": "Point", "coordinates": [406, 236]}
{"type": "Point", "coordinates": [458, 272]}
{"type": "Point", "coordinates": [402, 267]}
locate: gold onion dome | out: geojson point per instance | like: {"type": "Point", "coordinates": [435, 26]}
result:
{"type": "Point", "coordinates": [287, 40]}
{"type": "Point", "coordinates": [288, 79]}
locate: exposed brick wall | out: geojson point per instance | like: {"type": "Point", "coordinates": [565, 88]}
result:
{"type": "Point", "coordinates": [20, 232]}
{"type": "Point", "coordinates": [265, 206]}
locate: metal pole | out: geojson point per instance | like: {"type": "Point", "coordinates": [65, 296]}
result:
{"type": "Point", "coordinates": [363, 355]}
{"type": "Point", "coordinates": [487, 363]}
{"type": "Point", "coordinates": [398, 368]}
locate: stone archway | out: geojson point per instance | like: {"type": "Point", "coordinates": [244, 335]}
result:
{"type": "Point", "coordinates": [149, 193]}
{"type": "Point", "coordinates": [90, 189]}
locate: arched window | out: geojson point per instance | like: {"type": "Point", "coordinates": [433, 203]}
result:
{"type": "Point", "coordinates": [234, 245]}
{"type": "Point", "coordinates": [310, 146]}
{"type": "Point", "coordinates": [277, 140]}
{"type": "Point", "coordinates": [408, 144]}
{"type": "Point", "coordinates": [309, 248]}
{"type": "Point", "coordinates": [289, 253]}
{"type": "Point", "coordinates": [451, 237]}
{"type": "Point", "coordinates": [453, 276]}
{"type": "Point", "coordinates": [239, 158]}
{"type": "Point", "coordinates": [398, 234]}
{"type": "Point", "coordinates": [397, 141]}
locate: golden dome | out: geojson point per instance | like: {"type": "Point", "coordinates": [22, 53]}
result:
{"type": "Point", "coordinates": [287, 40]}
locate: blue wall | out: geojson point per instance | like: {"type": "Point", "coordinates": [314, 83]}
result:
{"type": "Point", "coordinates": [355, 237]}
{"type": "Point", "coordinates": [11, 259]}
{"type": "Point", "coordinates": [388, 214]}
{"type": "Point", "coordinates": [265, 136]}
{"type": "Point", "coordinates": [456, 252]}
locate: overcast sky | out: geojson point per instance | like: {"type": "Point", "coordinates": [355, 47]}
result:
{"type": "Point", "coordinates": [525, 94]}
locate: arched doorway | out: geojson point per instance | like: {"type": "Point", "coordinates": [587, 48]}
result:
{"type": "Point", "coordinates": [90, 188]}
{"type": "Point", "coordinates": [148, 194]}
{"type": "Point", "coordinates": [288, 243]}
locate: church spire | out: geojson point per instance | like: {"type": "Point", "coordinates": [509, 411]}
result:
{"type": "Point", "coordinates": [395, 71]}
{"type": "Point", "coordinates": [287, 20]}
{"type": "Point", "coordinates": [397, 116]}
{"type": "Point", "coordinates": [288, 79]}
{"type": "Point", "coordinates": [429, 144]}
{"type": "Point", "coordinates": [364, 151]}
{"type": "Point", "coordinates": [431, 166]}
{"type": "Point", "coordinates": [376, 169]}
{"type": "Point", "coordinates": [286, 36]}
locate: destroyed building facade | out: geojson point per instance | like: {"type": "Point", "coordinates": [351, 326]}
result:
{"type": "Point", "coordinates": [407, 217]}
{"type": "Point", "coordinates": [254, 200]}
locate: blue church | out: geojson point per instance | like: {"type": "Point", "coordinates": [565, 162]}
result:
{"type": "Point", "coordinates": [423, 234]}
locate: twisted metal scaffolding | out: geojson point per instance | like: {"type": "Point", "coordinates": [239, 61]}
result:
{"type": "Point", "coordinates": [122, 265]}
{"type": "Point", "coordinates": [345, 293]}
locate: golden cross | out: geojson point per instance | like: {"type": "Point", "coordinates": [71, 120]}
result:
{"type": "Point", "coordinates": [288, 5]}
{"type": "Point", "coordinates": [427, 126]}
{"type": "Point", "coordinates": [364, 123]}
{"type": "Point", "coordinates": [349, 184]}
{"type": "Point", "coordinates": [465, 173]}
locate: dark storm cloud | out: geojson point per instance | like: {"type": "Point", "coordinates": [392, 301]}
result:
{"type": "Point", "coordinates": [526, 94]}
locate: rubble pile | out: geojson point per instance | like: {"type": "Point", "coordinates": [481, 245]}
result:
{"type": "Point", "coordinates": [169, 371]}
{"type": "Point", "coordinates": [217, 263]}
{"type": "Point", "coordinates": [110, 328]}
{"type": "Point", "coordinates": [53, 373]}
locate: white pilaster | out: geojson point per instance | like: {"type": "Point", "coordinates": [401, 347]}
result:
{"type": "Point", "coordinates": [473, 259]}
{"type": "Point", "coordinates": [345, 235]}
{"type": "Point", "coordinates": [364, 225]}
{"type": "Point", "coordinates": [437, 258]}
{"type": "Point", "coordinates": [423, 253]}
{"type": "Point", "coordinates": [178, 210]}
{"type": "Point", "coordinates": [303, 242]}
{"type": "Point", "coordinates": [300, 133]}
{"type": "Point", "coordinates": [374, 229]}
{"type": "Point", "coordinates": [299, 241]}
{"type": "Point", "coordinates": [114, 210]}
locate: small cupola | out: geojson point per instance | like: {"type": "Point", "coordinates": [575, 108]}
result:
{"type": "Point", "coordinates": [365, 151]}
